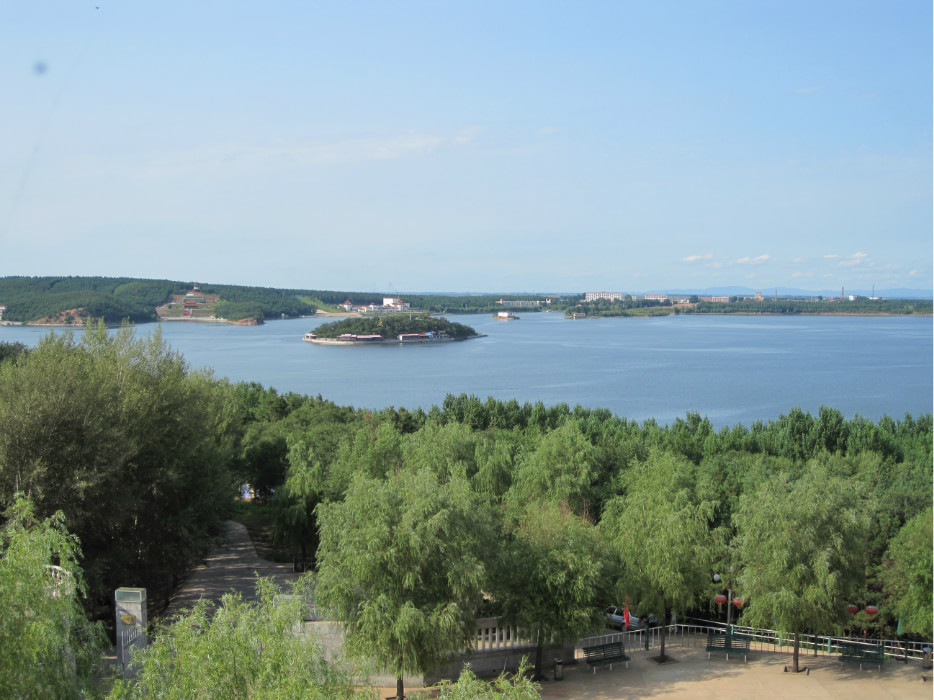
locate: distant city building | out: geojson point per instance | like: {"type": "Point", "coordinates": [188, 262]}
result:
{"type": "Point", "coordinates": [523, 303]}
{"type": "Point", "coordinates": [610, 296]}
{"type": "Point", "coordinates": [759, 296]}
{"type": "Point", "coordinates": [656, 297]}
{"type": "Point", "coordinates": [717, 300]}
{"type": "Point", "coordinates": [2, 309]}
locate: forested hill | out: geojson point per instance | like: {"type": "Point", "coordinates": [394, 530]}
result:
{"type": "Point", "coordinates": [73, 300]}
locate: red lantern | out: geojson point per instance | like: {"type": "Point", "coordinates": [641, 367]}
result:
{"type": "Point", "coordinates": [852, 609]}
{"type": "Point", "coordinates": [720, 599]}
{"type": "Point", "coordinates": [738, 602]}
{"type": "Point", "coordinates": [871, 609]}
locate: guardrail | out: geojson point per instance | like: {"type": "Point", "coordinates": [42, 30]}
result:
{"type": "Point", "coordinates": [694, 633]}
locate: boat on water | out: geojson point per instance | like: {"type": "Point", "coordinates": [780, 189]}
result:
{"type": "Point", "coordinates": [505, 316]}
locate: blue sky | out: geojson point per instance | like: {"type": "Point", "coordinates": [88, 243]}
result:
{"type": "Point", "coordinates": [469, 147]}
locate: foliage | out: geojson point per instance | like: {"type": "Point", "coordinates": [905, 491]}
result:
{"type": "Point", "coordinates": [662, 534]}
{"type": "Point", "coordinates": [118, 435]}
{"type": "Point", "coordinates": [505, 687]}
{"type": "Point", "coordinates": [401, 564]}
{"type": "Point", "coordinates": [553, 575]}
{"type": "Point", "coordinates": [10, 351]}
{"type": "Point", "coordinates": [239, 651]}
{"type": "Point", "coordinates": [562, 467]}
{"type": "Point", "coordinates": [391, 325]}
{"type": "Point", "coordinates": [114, 299]}
{"type": "Point", "coordinates": [908, 574]}
{"type": "Point", "coordinates": [49, 647]}
{"type": "Point", "coordinates": [801, 549]}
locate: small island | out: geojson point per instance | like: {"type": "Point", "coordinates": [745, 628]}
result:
{"type": "Point", "coordinates": [390, 330]}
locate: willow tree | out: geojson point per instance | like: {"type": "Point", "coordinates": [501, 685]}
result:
{"type": "Point", "coordinates": [554, 576]}
{"type": "Point", "coordinates": [907, 574]}
{"type": "Point", "coordinates": [662, 533]}
{"type": "Point", "coordinates": [801, 546]}
{"type": "Point", "coordinates": [401, 564]}
{"type": "Point", "coordinates": [49, 647]}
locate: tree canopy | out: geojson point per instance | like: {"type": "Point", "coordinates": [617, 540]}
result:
{"type": "Point", "coordinates": [401, 564]}
{"type": "Point", "coordinates": [801, 544]}
{"type": "Point", "coordinates": [49, 647]}
{"type": "Point", "coordinates": [663, 536]}
{"type": "Point", "coordinates": [391, 325]}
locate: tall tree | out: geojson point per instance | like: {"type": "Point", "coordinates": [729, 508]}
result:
{"type": "Point", "coordinates": [49, 647]}
{"type": "Point", "coordinates": [117, 434]}
{"type": "Point", "coordinates": [801, 544]}
{"type": "Point", "coordinates": [553, 578]}
{"type": "Point", "coordinates": [662, 534]}
{"type": "Point", "coordinates": [401, 564]}
{"type": "Point", "coordinates": [907, 574]}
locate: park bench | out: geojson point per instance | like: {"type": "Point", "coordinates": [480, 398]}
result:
{"type": "Point", "coordinates": [727, 644]}
{"type": "Point", "coordinates": [858, 653]}
{"type": "Point", "coordinates": [605, 654]}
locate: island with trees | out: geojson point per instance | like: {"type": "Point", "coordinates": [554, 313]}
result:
{"type": "Point", "coordinates": [395, 328]}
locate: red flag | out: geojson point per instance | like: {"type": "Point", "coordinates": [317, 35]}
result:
{"type": "Point", "coordinates": [626, 613]}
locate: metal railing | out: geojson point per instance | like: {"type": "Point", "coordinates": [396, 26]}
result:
{"type": "Point", "coordinates": [694, 633]}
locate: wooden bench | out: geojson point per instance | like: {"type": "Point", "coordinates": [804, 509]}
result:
{"type": "Point", "coordinates": [727, 644]}
{"type": "Point", "coordinates": [858, 653]}
{"type": "Point", "coordinates": [605, 654]}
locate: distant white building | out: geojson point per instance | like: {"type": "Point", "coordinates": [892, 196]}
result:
{"type": "Point", "coordinates": [2, 309]}
{"type": "Point", "coordinates": [656, 297]}
{"type": "Point", "coordinates": [609, 296]}
{"type": "Point", "coordinates": [394, 304]}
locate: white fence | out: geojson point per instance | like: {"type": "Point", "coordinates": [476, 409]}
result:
{"type": "Point", "coordinates": [491, 636]}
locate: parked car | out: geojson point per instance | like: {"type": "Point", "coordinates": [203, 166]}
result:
{"type": "Point", "coordinates": [615, 619]}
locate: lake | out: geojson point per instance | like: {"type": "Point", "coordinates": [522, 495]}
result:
{"type": "Point", "coordinates": [732, 369]}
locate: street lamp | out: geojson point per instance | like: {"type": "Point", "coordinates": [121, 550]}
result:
{"type": "Point", "coordinates": [729, 596]}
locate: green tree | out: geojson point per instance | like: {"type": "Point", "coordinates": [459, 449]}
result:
{"type": "Point", "coordinates": [401, 564]}
{"type": "Point", "coordinates": [10, 351]}
{"type": "Point", "coordinates": [238, 650]}
{"type": "Point", "coordinates": [117, 434]}
{"type": "Point", "coordinates": [907, 574]}
{"type": "Point", "coordinates": [562, 467]}
{"type": "Point", "coordinates": [553, 577]}
{"type": "Point", "coordinates": [662, 534]}
{"type": "Point", "coordinates": [49, 647]}
{"type": "Point", "coordinates": [801, 545]}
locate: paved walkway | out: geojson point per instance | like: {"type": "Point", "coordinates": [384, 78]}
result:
{"type": "Point", "coordinates": [230, 566]}
{"type": "Point", "coordinates": [694, 676]}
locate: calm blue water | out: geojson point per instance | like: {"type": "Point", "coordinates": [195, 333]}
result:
{"type": "Point", "coordinates": [732, 369]}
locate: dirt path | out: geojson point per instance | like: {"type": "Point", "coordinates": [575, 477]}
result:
{"type": "Point", "coordinates": [230, 566]}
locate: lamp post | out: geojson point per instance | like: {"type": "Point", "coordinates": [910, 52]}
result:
{"type": "Point", "coordinates": [729, 595]}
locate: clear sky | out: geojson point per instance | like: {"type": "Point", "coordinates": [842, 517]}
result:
{"type": "Point", "coordinates": [482, 146]}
